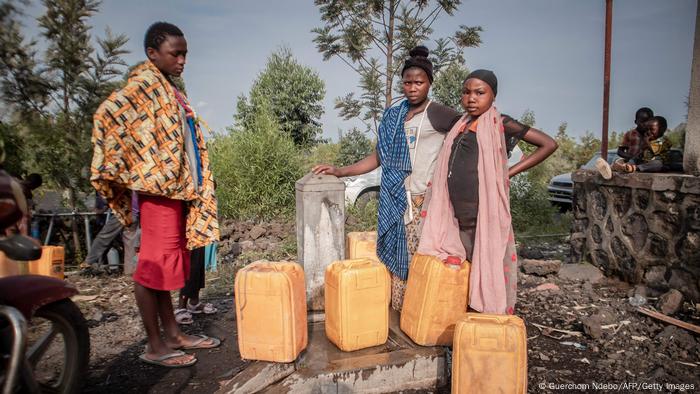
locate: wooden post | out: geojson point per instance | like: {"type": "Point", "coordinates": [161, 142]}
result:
{"type": "Point", "coordinates": [606, 79]}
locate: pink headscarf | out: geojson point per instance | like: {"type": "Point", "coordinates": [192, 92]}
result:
{"type": "Point", "coordinates": [494, 234]}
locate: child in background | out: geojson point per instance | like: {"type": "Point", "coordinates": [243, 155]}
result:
{"type": "Point", "coordinates": [633, 141]}
{"type": "Point", "coordinates": [653, 154]}
{"type": "Point", "coordinates": [630, 148]}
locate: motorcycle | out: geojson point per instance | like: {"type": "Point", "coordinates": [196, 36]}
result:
{"type": "Point", "coordinates": [44, 338]}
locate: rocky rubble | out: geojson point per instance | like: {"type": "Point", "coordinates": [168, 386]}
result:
{"type": "Point", "coordinates": [587, 333]}
{"type": "Point", "coordinates": [540, 267]}
{"type": "Point", "coordinates": [240, 237]}
{"type": "Point", "coordinates": [581, 326]}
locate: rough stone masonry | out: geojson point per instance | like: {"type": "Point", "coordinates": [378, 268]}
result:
{"type": "Point", "coordinates": [643, 228]}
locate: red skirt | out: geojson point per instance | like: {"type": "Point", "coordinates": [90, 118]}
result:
{"type": "Point", "coordinates": [164, 261]}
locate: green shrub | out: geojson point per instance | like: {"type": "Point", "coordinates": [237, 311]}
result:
{"type": "Point", "coordinates": [295, 95]}
{"type": "Point", "coordinates": [354, 146]}
{"type": "Point", "coordinates": [255, 170]}
{"type": "Point", "coordinates": [531, 211]}
{"type": "Point", "coordinates": [321, 154]}
{"type": "Point", "coordinates": [362, 217]}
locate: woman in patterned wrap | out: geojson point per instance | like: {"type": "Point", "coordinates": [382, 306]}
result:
{"type": "Point", "coordinates": [147, 139]}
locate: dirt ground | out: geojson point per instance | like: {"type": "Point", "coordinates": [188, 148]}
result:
{"type": "Point", "coordinates": [627, 352]}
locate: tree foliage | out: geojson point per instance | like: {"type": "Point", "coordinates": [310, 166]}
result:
{"type": "Point", "coordinates": [12, 151]}
{"type": "Point", "coordinates": [50, 99]}
{"type": "Point", "coordinates": [373, 37]}
{"type": "Point", "coordinates": [354, 146]}
{"type": "Point", "coordinates": [677, 136]}
{"type": "Point", "coordinates": [447, 88]}
{"type": "Point", "coordinates": [292, 91]}
{"type": "Point", "coordinates": [614, 139]}
{"type": "Point", "coordinates": [256, 169]}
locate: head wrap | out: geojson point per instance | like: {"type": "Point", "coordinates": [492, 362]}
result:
{"type": "Point", "coordinates": [419, 58]}
{"type": "Point", "coordinates": [487, 76]}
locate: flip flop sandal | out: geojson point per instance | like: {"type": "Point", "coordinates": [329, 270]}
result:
{"type": "Point", "coordinates": [206, 308]}
{"type": "Point", "coordinates": [161, 361]}
{"type": "Point", "coordinates": [183, 316]}
{"type": "Point", "coordinates": [209, 309]}
{"type": "Point", "coordinates": [199, 343]}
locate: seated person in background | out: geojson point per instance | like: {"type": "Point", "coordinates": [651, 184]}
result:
{"type": "Point", "coordinates": [632, 143]}
{"type": "Point", "coordinates": [28, 184]}
{"type": "Point", "coordinates": [654, 152]}
{"type": "Point", "coordinates": [95, 261]}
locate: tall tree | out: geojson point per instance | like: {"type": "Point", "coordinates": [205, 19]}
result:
{"type": "Point", "coordinates": [293, 92]}
{"type": "Point", "coordinates": [588, 146]}
{"type": "Point", "coordinates": [447, 88]}
{"type": "Point", "coordinates": [51, 100]}
{"type": "Point", "coordinates": [372, 37]}
{"type": "Point", "coordinates": [614, 139]}
{"type": "Point", "coordinates": [22, 88]}
{"type": "Point", "coordinates": [528, 118]}
{"type": "Point", "coordinates": [354, 146]}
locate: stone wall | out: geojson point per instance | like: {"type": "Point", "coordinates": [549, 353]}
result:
{"type": "Point", "coordinates": [642, 228]}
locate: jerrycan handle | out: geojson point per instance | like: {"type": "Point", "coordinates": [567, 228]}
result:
{"type": "Point", "coordinates": [360, 264]}
{"type": "Point", "coordinates": [492, 318]}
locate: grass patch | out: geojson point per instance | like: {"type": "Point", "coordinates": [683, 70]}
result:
{"type": "Point", "coordinates": [361, 217]}
{"type": "Point", "coordinates": [220, 283]}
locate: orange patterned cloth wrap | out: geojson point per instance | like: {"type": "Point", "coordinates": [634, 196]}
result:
{"type": "Point", "coordinates": [139, 145]}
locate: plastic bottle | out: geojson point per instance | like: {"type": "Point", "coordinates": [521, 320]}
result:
{"type": "Point", "coordinates": [34, 229]}
{"type": "Point", "coordinates": [113, 259]}
{"type": "Point", "coordinates": [637, 300]}
{"type": "Point", "coordinates": [453, 262]}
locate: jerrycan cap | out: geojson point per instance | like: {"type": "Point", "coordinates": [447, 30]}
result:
{"type": "Point", "coordinates": [453, 260]}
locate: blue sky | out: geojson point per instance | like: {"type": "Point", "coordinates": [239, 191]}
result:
{"type": "Point", "coordinates": [547, 54]}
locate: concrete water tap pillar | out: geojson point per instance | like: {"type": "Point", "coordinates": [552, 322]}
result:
{"type": "Point", "coordinates": [320, 203]}
{"type": "Point", "coordinates": [691, 155]}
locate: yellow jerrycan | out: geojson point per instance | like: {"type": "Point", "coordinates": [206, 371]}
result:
{"type": "Point", "coordinates": [51, 262]}
{"type": "Point", "coordinates": [436, 297]}
{"type": "Point", "coordinates": [361, 244]}
{"type": "Point", "coordinates": [8, 267]}
{"type": "Point", "coordinates": [271, 311]}
{"type": "Point", "coordinates": [489, 355]}
{"type": "Point", "coordinates": [357, 296]}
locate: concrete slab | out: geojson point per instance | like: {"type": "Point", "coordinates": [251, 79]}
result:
{"type": "Point", "coordinates": [406, 369]}
{"type": "Point", "coordinates": [397, 365]}
{"type": "Point", "coordinates": [581, 271]}
{"type": "Point", "coordinates": [395, 334]}
{"type": "Point", "coordinates": [256, 377]}
{"type": "Point", "coordinates": [320, 352]}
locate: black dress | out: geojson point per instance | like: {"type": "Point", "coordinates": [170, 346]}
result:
{"type": "Point", "coordinates": [463, 176]}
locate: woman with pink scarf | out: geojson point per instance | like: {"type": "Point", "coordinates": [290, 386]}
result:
{"type": "Point", "coordinates": [468, 214]}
